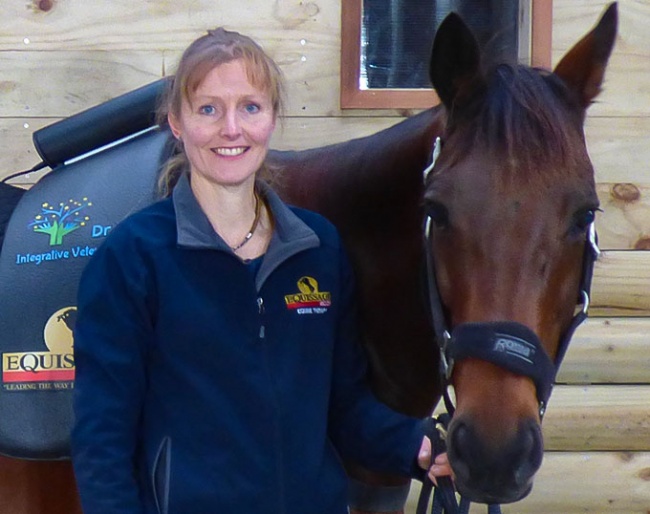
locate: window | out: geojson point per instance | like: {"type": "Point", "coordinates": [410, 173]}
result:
{"type": "Point", "coordinates": [385, 44]}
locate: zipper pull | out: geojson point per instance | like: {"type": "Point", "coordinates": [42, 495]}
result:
{"type": "Point", "coordinates": [260, 309]}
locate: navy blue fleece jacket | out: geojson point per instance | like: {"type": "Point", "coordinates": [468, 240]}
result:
{"type": "Point", "coordinates": [205, 388]}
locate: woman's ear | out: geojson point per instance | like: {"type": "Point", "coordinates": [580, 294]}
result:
{"type": "Point", "coordinates": [174, 125]}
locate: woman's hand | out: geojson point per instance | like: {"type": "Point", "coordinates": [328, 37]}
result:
{"type": "Point", "coordinates": [439, 467]}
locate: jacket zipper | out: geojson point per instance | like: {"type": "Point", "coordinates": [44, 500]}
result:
{"type": "Point", "coordinates": [260, 310]}
{"type": "Point", "coordinates": [262, 339]}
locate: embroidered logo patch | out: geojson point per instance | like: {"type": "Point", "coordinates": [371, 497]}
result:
{"type": "Point", "coordinates": [514, 347]}
{"type": "Point", "coordinates": [309, 300]}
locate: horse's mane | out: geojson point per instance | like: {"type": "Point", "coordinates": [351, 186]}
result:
{"type": "Point", "coordinates": [524, 114]}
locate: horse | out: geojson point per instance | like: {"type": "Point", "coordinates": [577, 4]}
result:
{"type": "Point", "coordinates": [510, 202]}
{"type": "Point", "coordinates": [508, 206]}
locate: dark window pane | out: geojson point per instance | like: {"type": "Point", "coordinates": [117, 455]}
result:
{"type": "Point", "coordinates": [397, 36]}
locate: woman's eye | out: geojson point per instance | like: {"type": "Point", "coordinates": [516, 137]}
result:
{"type": "Point", "coordinates": [252, 108]}
{"type": "Point", "coordinates": [207, 109]}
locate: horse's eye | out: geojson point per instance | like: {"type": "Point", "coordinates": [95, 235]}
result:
{"type": "Point", "coordinates": [584, 218]}
{"type": "Point", "coordinates": [438, 213]}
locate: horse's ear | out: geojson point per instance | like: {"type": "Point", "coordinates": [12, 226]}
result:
{"type": "Point", "coordinates": [583, 67]}
{"type": "Point", "coordinates": [455, 62]}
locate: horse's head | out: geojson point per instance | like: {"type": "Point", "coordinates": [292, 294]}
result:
{"type": "Point", "coordinates": [511, 200]}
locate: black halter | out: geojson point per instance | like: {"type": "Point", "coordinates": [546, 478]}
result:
{"type": "Point", "coordinates": [507, 344]}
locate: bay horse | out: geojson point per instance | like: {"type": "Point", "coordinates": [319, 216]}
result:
{"type": "Point", "coordinates": [509, 201]}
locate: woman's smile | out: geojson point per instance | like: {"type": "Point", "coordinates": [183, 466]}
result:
{"type": "Point", "coordinates": [230, 151]}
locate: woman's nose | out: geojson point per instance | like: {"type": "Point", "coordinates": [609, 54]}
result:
{"type": "Point", "coordinates": [230, 126]}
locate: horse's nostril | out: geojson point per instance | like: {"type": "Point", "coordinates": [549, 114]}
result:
{"type": "Point", "coordinates": [532, 451]}
{"type": "Point", "coordinates": [460, 440]}
{"type": "Point", "coordinates": [460, 447]}
{"type": "Point", "coordinates": [461, 434]}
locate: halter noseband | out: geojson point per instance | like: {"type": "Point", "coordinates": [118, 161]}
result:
{"type": "Point", "coordinates": [507, 344]}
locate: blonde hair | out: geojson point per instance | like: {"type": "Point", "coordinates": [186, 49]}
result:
{"type": "Point", "coordinates": [218, 46]}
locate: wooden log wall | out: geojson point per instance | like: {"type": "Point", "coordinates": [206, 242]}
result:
{"type": "Point", "coordinates": [59, 57]}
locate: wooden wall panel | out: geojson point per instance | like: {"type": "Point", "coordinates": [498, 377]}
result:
{"type": "Point", "coordinates": [626, 91]}
{"type": "Point", "coordinates": [595, 482]}
{"type": "Point", "coordinates": [58, 84]}
{"type": "Point", "coordinates": [598, 418]}
{"type": "Point", "coordinates": [101, 74]}
{"type": "Point", "coordinates": [164, 24]}
{"type": "Point", "coordinates": [618, 146]}
{"type": "Point", "coordinates": [624, 223]}
{"type": "Point", "coordinates": [621, 285]}
{"type": "Point", "coordinates": [303, 37]}
{"type": "Point", "coordinates": [608, 351]}
{"type": "Point", "coordinates": [18, 152]}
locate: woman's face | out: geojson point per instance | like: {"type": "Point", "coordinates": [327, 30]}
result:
{"type": "Point", "coordinates": [225, 126]}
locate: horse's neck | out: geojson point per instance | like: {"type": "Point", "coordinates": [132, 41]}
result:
{"type": "Point", "coordinates": [368, 168]}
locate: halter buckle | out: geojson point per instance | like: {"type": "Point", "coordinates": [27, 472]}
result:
{"type": "Point", "coordinates": [442, 431]}
{"type": "Point", "coordinates": [593, 241]}
{"type": "Point", "coordinates": [585, 301]}
{"type": "Point", "coordinates": [447, 366]}
{"type": "Point", "coordinates": [542, 409]}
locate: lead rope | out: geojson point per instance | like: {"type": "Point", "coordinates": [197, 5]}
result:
{"type": "Point", "coordinates": [444, 494]}
{"type": "Point", "coordinates": [444, 497]}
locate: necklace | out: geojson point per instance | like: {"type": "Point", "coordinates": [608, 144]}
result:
{"type": "Point", "coordinates": [251, 231]}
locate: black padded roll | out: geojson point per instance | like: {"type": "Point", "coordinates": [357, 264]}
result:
{"type": "Point", "coordinates": [100, 125]}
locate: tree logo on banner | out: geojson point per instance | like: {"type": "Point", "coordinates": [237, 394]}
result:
{"type": "Point", "coordinates": [59, 221]}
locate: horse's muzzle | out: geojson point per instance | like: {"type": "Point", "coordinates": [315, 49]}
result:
{"type": "Point", "coordinates": [494, 471]}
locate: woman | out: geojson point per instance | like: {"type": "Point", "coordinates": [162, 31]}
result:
{"type": "Point", "coordinates": [215, 346]}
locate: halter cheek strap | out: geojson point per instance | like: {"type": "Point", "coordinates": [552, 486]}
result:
{"type": "Point", "coordinates": [434, 157]}
{"type": "Point", "coordinates": [589, 258]}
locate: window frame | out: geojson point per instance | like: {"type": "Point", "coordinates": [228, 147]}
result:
{"type": "Point", "coordinates": [353, 97]}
